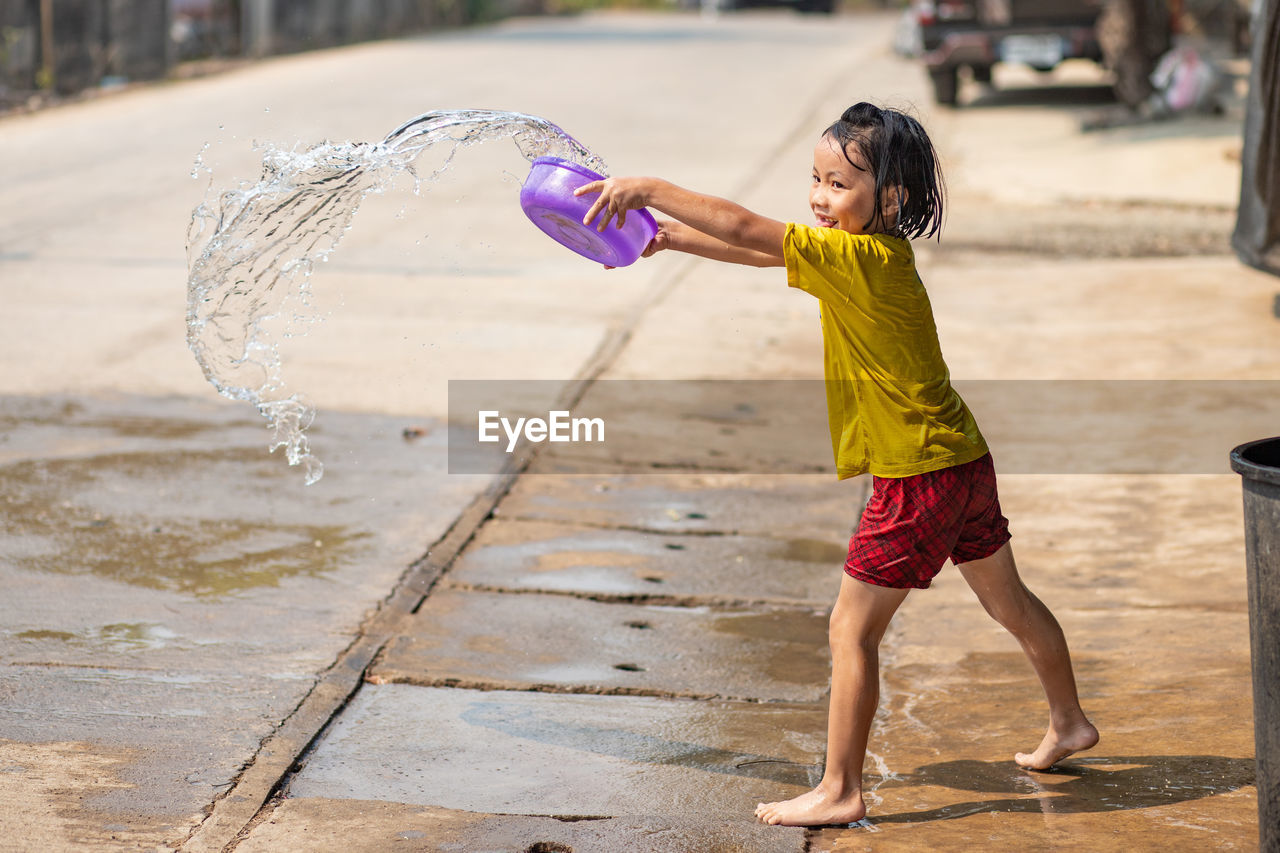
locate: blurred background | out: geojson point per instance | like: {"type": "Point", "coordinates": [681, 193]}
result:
{"type": "Point", "coordinates": [51, 48]}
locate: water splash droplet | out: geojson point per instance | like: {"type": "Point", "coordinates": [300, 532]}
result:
{"type": "Point", "coordinates": [199, 165]}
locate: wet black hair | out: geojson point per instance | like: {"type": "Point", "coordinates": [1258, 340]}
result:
{"type": "Point", "coordinates": [898, 153]}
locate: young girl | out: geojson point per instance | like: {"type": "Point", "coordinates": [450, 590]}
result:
{"type": "Point", "coordinates": [893, 413]}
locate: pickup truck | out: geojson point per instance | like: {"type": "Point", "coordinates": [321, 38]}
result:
{"type": "Point", "coordinates": [1127, 36]}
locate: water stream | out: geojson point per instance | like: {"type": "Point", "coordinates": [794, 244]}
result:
{"type": "Point", "coordinates": [251, 249]}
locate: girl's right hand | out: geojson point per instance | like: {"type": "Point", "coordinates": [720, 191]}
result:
{"type": "Point", "coordinates": [617, 196]}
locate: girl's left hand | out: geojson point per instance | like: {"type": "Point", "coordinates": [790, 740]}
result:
{"type": "Point", "coordinates": [617, 196]}
{"type": "Point", "coordinates": [662, 240]}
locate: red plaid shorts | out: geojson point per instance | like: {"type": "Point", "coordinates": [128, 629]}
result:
{"type": "Point", "coordinates": [912, 525]}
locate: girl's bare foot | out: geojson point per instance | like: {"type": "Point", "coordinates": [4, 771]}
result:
{"type": "Point", "coordinates": [1058, 745]}
{"type": "Point", "coordinates": [816, 808]}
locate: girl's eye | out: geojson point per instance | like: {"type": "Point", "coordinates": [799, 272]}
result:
{"type": "Point", "coordinates": [837, 185]}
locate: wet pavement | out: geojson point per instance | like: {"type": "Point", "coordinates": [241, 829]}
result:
{"type": "Point", "coordinates": [607, 563]}
{"type": "Point", "coordinates": [1162, 666]}
{"type": "Point", "coordinates": [360, 826]}
{"type": "Point", "coordinates": [677, 682]}
{"type": "Point", "coordinates": [1155, 615]}
{"type": "Point", "coordinates": [551, 642]}
{"type": "Point", "coordinates": [148, 542]}
{"type": "Point", "coordinates": [193, 643]}
{"type": "Point", "coordinates": [569, 756]}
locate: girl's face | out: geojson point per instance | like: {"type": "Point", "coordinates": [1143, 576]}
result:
{"type": "Point", "coordinates": [842, 196]}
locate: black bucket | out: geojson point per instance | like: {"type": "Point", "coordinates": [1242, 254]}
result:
{"type": "Point", "coordinates": [1258, 462]}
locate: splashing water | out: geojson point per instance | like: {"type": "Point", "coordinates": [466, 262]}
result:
{"type": "Point", "coordinates": [252, 249]}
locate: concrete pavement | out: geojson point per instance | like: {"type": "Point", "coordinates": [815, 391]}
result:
{"type": "Point", "coordinates": [626, 661]}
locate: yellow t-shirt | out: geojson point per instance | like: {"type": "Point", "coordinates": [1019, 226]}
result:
{"type": "Point", "coordinates": [890, 403]}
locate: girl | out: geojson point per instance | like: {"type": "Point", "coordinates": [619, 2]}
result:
{"type": "Point", "coordinates": [893, 413]}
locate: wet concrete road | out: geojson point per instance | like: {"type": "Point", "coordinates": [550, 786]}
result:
{"type": "Point", "coordinates": [169, 598]}
{"type": "Point", "coordinates": [622, 661]}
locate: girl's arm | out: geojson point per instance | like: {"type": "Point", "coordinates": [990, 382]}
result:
{"type": "Point", "coordinates": [714, 227]}
{"type": "Point", "coordinates": [684, 238]}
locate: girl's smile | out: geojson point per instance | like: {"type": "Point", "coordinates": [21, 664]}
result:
{"type": "Point", "coordinates": [842, 195]}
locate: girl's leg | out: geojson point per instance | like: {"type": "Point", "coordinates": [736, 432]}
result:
{"type": "Point", "coordinates": [858, 622]}
{"type": "Point", "coordinates": [995, 581]}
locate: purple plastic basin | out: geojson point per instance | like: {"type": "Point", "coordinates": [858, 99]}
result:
{"type": "Point", "coordinates": [548, 200]}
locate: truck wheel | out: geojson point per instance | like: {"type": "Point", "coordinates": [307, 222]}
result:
{"type": "Point", "coordinates": [946, 85]}
{"type": "Point", "coordinates": [982, 74]}
{"type": "Point", "coordinates": [810, 7]}
{"type": "Point", "coordinates": [1133, 35]}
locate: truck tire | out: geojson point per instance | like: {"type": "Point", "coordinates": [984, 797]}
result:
{"type": "Point", "coordinates": [1133, 35]}
{"type": "Point", "coordinates": [946, 85]}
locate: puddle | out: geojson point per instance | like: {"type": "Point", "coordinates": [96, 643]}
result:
{"type": "Point", "coordinates": [527, 724]}
{"type": "Point", "coordinates": [600, 564]}
{"type": "Point", "coordinates": [571, 559]}
{"type": "Point", "coordinates": [811, 551]}
{"type": "Point", "coordinates": [117, 637]}
{"type": "Point", "coordinates": [22, 413]}
{"type": "Point", "coordinates": [796, 640]}
{"type": "Point", "coordinates": [1085, 785]}
{"type": "Point", "coordinates": [129, 518]}
{"type": "Point", "coordinates": [566, 550]}
{"type": "Point", "coordinates": [37, 636]}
